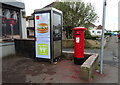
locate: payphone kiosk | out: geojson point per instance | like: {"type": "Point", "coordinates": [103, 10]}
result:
{"type": "Point", "coordinates": [48, 33]}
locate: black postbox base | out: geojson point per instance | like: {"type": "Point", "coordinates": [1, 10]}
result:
{"type": "Point", "coordinates": [79, 61]}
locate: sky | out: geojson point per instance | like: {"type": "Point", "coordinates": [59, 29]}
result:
{"type": "Point", "coordinates": [111, 20]}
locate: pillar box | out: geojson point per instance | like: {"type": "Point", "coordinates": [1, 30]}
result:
{"type": "Point", "coordinates": [79, 45]}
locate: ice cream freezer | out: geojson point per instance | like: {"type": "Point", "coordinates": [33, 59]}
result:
{"type": "Point", "coordinates": [48, 33]}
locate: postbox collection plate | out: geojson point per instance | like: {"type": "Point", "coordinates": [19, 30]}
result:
{"type": "Point", "coordinates": [77, 40]}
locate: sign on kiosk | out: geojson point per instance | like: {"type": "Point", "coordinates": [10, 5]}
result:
{"type": "Point", "coordinates": [42, 25]}
{"type": "Point", "coordinates": [42, 34]}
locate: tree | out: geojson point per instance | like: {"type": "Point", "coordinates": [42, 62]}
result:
{"type": "Point", "coordinates": [76, 14]}
{"type": "Point", "coordinates": [87, 34]}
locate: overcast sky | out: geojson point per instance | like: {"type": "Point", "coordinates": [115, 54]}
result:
{"type": "Point", "coordinates": [111, 10]}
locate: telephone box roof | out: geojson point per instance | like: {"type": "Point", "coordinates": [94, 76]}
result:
{"type": "Point", "coordinates": [47, 9]}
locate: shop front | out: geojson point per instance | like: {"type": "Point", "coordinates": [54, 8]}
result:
{"type": "Point", "coordinates": [12, 26]}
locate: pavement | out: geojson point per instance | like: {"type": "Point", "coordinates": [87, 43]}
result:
{"type": "Point", "coordinates": [110, 67]}
{"type": "Point", "coordinates": [18, 69]}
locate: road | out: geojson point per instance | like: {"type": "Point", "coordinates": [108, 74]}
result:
{"type": "Point", "coordinates": [110, 55]}
{"type": "Point", "coordinates": [110, 67]}
{"type": "Point", "coordinates": [110, 51]}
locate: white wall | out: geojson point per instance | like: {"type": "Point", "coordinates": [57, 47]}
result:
{"type": "Point", "coordinates": [30, 23]}
{"type": "Point", "coordinates": [92, 31]}
{"type": "Point", "coordinates": [7, 49]}
{"type": "Point", "coordinates": [98, 32]}
{"type": "Point", "coordinates": [95, 32]}
{"type": "Point", "coordinates": [23, 25]}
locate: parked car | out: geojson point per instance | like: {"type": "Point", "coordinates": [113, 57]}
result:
{"type": "Point", "coordinates": [118, 36]}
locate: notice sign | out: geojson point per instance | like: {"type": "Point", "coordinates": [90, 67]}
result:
{"type": "Point", "coordinates": [42, 49]}
{"type": "Point", "coordinates": [77, 39]}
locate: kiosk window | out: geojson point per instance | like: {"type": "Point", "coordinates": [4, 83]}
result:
{"type": "Point", "coordinates": [57, 26]}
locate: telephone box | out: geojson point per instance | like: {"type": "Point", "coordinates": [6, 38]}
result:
{"type": "Point", "coordinates": [48, 33]}
{"type": "Point", "coordinates": [79, 45]}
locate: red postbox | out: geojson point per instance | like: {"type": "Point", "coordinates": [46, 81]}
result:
{"type": "Point", "coordinates": [79, 45]}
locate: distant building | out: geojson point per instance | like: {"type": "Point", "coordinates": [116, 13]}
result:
{"type": "Point", "coordinates": [30, 22]}
{"type": "Point", "coordinates": [97, 31]}
{"type": "Point", "coordinates": [30, 26]}
{"type": "Point", "coordinates": [109, 31]}
{"type": "Point", "coordinates": [92, 26]}
{"type": "Point", "coordinates": [51, 5]}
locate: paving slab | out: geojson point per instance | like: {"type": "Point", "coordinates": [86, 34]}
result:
{"type": "Point", "coordinates": [27, 70]}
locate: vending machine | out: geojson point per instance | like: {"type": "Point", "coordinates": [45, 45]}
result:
{"type": "Point", "coordinates": [48, 33]}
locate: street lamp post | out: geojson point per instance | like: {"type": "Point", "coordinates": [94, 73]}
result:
{"type": "Point", "coordinates": [102, 37]}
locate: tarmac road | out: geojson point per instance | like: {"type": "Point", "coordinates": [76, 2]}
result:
{"type": "Point", "coordinates": [110, 67]}
{"type": "Point", "coordinates": [110, 51]}
{"type": "Point", "coordinates": [110, 55]}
